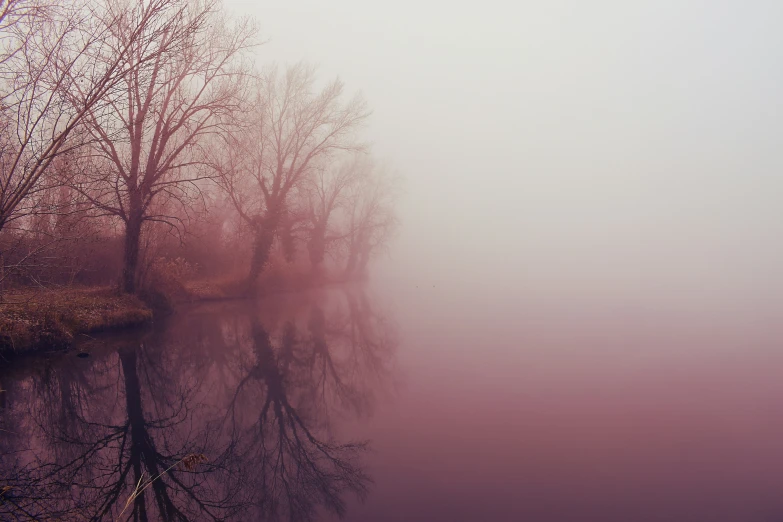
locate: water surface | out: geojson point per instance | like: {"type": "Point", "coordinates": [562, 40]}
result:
{"type": "Point", "coordinates": [403, 402]}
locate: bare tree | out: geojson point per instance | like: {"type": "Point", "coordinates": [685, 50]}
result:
{"type": "Point", "coordinates": [326, 192]}
{"type": "Point", "coordinates": [370, 215]}
{"type": "Point", "coordinates": [294, 129]}
{"type": "Point", "coordinates": [57, 65]}
{"type": "Point", "coordinates": [147, 165]}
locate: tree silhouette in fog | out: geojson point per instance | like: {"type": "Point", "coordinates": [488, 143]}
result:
{"type": "Point", "coordinates": [293, 130]}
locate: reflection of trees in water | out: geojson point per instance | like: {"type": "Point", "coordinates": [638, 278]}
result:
{"type": "Point", "coordinates": [255, 393]}
{"type": "Point", "coordinates": [289, 463]}
{"type": "Point", "coordinates": [101, 431]}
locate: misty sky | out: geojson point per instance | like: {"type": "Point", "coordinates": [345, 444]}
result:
{"type": "Point", "coordinates": [587, 145]}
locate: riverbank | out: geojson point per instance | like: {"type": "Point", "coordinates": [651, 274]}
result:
{"type": "Point", "coordinates": [34, 321]}
{"type": "Point", "coordinates": [38, 321]}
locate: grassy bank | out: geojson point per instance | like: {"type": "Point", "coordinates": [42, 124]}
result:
{"type": "Point", "coordinates": [52, 318]}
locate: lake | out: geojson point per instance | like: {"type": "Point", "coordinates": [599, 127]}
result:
{"type": "Point", "coordinates": [403, 401]}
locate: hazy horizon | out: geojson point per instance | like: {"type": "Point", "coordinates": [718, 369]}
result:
{"type": "Point", "coordinates": [572, 147]}
{"type": "Point", "coordinates": [217, 303]}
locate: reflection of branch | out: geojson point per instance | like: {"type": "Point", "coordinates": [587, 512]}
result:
{"type": "Point", "coordinates": [134, 456]}
{"type": "Point", "coordinates": [107, 439]}
{"type": "Point", "coordinates": [189, 461]}
{"type": "Point", "coordinates": [298, 470]}
{"type": "Point", "coordinates": [347, 392]}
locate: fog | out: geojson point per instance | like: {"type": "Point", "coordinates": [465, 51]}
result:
{"type": "Point", "coordinates": [605, 150]}
{"type": "Point", "coordinates": [415, 261]}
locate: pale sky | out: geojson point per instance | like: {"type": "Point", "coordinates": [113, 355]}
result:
{"type": "Point", "coordinates": [612, 145]}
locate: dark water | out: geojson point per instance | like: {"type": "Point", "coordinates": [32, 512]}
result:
{"type": "Point", "coordinates": [402, 404]}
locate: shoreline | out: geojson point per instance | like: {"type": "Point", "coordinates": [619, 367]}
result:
{"type": "Point", "coordinates": [37, 322]}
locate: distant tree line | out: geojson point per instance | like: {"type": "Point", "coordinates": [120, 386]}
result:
{"type": "Point", "coordinates": [136, 132]}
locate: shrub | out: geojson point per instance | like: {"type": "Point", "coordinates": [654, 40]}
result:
{"type": "Point", "coordinates": [165, 281]}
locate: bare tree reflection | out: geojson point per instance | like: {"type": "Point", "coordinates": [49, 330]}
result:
{"type": "Point", "coordinates": [132, 422]}
{"type": "Point", "coordinates": [255, 393]}
{"type": "Point", "coordinates": [292, 467]}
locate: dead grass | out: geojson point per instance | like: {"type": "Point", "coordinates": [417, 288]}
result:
{"type": "Point", "coordinates": [50, 319]}
{"type": "Point", "coordinates": [188, 462]}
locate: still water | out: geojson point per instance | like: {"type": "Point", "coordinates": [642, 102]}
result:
{"type": "Point", "coordinates": [402, 404]}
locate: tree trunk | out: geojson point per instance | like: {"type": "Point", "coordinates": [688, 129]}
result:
{"type": "Point", "coordinates": [143, 454]}
{"type": "Point", "coordinates": [136, 421]}
{"type": "Point", "coordinates": [364, 260]}
{"type": "Point", "coordinates": [2, 276]}
{"type": "Point", "coordinates": [131, 256]}
{"type": "Point", "coordinates": [287, 241]}
{"type": "Point", "coordinates": [262, 245]}
{"type": "Point", "coordinates": [268, 367]}
{"type": "Point", "coordinates": [353, 255]}
{"type": "Point", "coordinates": [2, 266]}
{"type": "Point", "coordinates": [316, 246]}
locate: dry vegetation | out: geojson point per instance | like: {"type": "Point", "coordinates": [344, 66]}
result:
{"type": "Point", "coordinates": [141, 148]}
{"type": "Point", "coordinates": [34, 320]}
